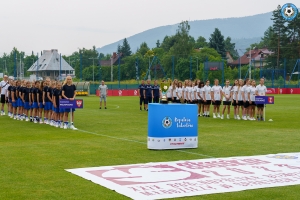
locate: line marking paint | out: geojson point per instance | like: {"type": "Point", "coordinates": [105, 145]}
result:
{"type": "Point", "coordinates": [135, 141]}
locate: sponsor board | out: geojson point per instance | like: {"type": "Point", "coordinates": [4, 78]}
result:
{"type": "Point", "coordinates": [196, 177]}
{"type": "Point", "coordinates": [176, 121]}
{"type": "Point", "coordinates": [264, 99]}
{"type": "Point", "coordinates": [65, 103]}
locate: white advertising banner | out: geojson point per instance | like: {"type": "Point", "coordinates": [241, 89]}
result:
{"type": "Point", "coordinates": [196, 177]}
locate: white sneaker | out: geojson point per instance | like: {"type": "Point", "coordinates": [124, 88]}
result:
{"type": "Point", "coordinates": [15, 117]}
{"type": "Point", "coordinates": [27, 119]}
{"type": "Point", "coordinates": [34, 121]}
{"type": "Point", "coordinates": [214, 116]}
{"type": "Point", "coordinates": [65, 126]}
{"type": "Point", "coordinates": [244, 118]}
{"type": "Point", "coordinates": [73, 127]}
{"type": "Point", "coordinates": [248, 118]}
{"type": "Point", "coordinates": [3, 113]}
{"type": "Point", "coordinates": [222, 117]}
{"type": "Point", "coordinates": [200, 115]}
{"type": "Point", "coordinates": [11, 116]}
{"type": "Point", "coordinates": [61, 125]}
{"type": "Point", "coordinates": [238, 117]}
{"type": "Point", "coordinates": [41, 121]}
{"type": "Point", "coordinates": [228, 117]}
{"type": "Point", "coordinates": [56, 124]}
{"type": "Point", "coordinates": [219, 116]}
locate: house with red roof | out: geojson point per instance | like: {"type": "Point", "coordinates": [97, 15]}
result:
{"type": "Point", "coordinates": [257, 56]}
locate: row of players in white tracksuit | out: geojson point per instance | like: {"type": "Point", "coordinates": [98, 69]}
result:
{"type": "Point", "coordinates": [241, 96]}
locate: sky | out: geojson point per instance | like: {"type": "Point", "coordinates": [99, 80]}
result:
{"type": "Point", "coordinates": [66, 25]}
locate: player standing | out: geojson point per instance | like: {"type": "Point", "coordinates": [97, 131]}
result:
{"type": "Point", "coordinates": [155, 92]}
{"type": "Point", "coordinates": [141, 89]}
{"type": "Point", "coordinates": [226, 92]}
{"type": "Point", "coordinates": [103, 93]}
{"type": "Point", "coordinates": [261, 90]}
{"type": "Point", "coordinates": [4, 84]}
{"type": "Point", "coordinates": [148, 94]}
{"type": "Point", "coordinates": [206, 98]}
{"type": "Point", "coordinates": [216, 95]}
{"type": "Point", "coordinates": [251, 96]}
{"type": "Point", "coordinates": [69, 92]}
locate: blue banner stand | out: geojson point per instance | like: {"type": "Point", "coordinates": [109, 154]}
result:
{"type": "Point", "coordinates": [172, 126]}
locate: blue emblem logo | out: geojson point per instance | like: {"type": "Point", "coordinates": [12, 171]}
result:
{"type": "Point", "coordinates": [167, 122]}
{"type": "Point", "coordinates": [289, 11]}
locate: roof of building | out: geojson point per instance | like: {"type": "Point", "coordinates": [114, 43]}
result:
{"type": "Point", "coordinates": [113, 60]}
{"type": "Point", "coordinates": [50, 61]}
{"type": "Point", "coordinates": [255, 55]}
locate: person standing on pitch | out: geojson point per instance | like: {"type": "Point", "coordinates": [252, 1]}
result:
{"type": "Point", "coordinates": [261, 90]}
{"type": "Point", "coordinates": [141, 94]}
{"type": "Point", "coordinates": [3, 89]}
{"type": "Point", "coordinates": [103, 93]}
{"type": "Point", "coordinates": [155, 92]}
{"type": "Point", "coordinates": [148, 94]}
{"type": "Point", "coordinates": [69, 92]}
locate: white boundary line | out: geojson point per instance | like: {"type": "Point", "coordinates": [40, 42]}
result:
{"type": "Point", "coordinates": [135, 141]}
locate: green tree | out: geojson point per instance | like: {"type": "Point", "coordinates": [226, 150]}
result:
{"type": "Point", "coordinates": [183, 44]}
{"type": "Point", "coordinates": [216, 41]}
{"type": "Point", "coordinates": [201, 43]}
{"type": "Point", "coordinates": [168, 42]}
{"type": "Point", "coordinates": [143, 48]}
{"type": "Point", "coordinates": [125, 48]}
{"type": "Point", "coordinates": [230, 47]}
{"type": "Point", "coordinates": [157, 44]}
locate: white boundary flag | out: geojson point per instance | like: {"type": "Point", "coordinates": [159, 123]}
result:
{"type": "Point", "coordinates": [196, 177]}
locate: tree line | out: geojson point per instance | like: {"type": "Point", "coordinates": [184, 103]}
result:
{"type": "Point", "coordinates": [179, 55]}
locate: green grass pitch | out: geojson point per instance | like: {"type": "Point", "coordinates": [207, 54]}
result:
{"type": "Point", "coordinates": [33, 157]}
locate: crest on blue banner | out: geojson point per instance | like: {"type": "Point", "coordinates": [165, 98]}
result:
{"type": "Point", "coordinates": [167, 122]}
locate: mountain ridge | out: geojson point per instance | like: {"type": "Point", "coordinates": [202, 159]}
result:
{"type": "Point", "coordinates": [242, 30]}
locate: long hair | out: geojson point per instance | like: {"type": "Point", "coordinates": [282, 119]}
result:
{"type": "Point", "coordinates": [201, 84]}
{"type": "Point", "coordinates": [42, 85]}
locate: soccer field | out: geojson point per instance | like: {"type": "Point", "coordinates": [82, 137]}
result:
{"type": "Point", "coordinates": [34, 157]}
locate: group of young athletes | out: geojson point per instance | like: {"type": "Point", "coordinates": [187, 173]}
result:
{"type": "Point", "coordinates": [38, 102]}
{"type": "Point", "coordinates": [241, 95]}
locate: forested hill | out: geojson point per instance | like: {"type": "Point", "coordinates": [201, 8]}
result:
{"type": "Point", "coordinates": [243, 31]}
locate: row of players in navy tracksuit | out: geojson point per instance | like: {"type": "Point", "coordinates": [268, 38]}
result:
{"type": "Point", "coordinates": [27, 101]}
{"type": "Point", "coordinates": [149, 93]}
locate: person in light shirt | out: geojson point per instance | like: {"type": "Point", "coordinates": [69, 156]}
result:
{"type": "Point", "coordinates": [251, 96]}
{"type": "Point", "coordinates": [226, 93]}
{"type": "Point", "coordinates": [239, 99]}
{"type": "Point", "coordinates": [179, 92]}
{"type": "Point", "coordinates": [169, 93]}
{"type": "Point", "coordinates": [234, 98]}
{"type": "Point", "coordinates": [4, 84]}
{"type": "Point", "coordinates": [261, 90]}
{"type": "Point", "coordinates": [192, 93]}
{"type": "Point", "coordinates": [245, 99]}
{"type": "Point", "coordinates": [216, 95]}
{"type": "Point", "coordinates": [196, 92]}
{"type": "Point", "coordinates": [206, 98]}
{"type": "Point", "coordinates": [200, 95]}
{"type": "Point", "coordinates": [174, 88]}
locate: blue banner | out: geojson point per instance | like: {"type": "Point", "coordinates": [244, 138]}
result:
{"type": "Point", "coordinates": [65, 103]}
{"type": "Point", "coordinates": [264, 99]}
{"type": "Point", "coordinates": [172, 126]}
